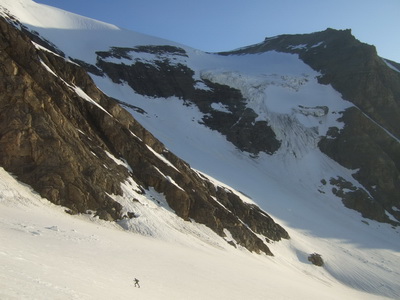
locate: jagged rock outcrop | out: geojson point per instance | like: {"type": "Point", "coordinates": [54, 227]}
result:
{"type": "Point", "coordinates": [46, 138]}
{"type": "Point", "coordinates": [369, 141]}
{"type": "Point", "coordinates": [316, 259]}
{"type": "Point", "coordinates": [165, 76]}
{"type": "Point", "coordinates": [62, 135]}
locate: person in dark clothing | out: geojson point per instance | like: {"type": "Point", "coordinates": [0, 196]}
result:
{"type": "Point", "coordinates": [136, 282]}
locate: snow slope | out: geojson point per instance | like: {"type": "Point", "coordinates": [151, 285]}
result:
{"type": "Point", "coordinates": [79, 37]}
{"type": "Point", "coordinates": [361, 256]}
{"type": "Point", "coordinates": [47, 254]}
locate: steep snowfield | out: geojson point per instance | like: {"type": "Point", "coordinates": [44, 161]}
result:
{"type": "Point", "coordinates": [79, 37]}
{"type": "Point", "coordinates": [46, 254]}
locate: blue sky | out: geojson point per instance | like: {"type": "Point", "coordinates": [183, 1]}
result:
{"type": "Point", "coordinates": [218, 25]}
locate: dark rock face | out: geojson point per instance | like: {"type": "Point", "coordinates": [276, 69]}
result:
{"type": "Point", "coordinates": [161, 79]}
{"type": "Point", "coordinates": [165, 77]}
{"type": "Point", "coordinates": [46, 138]}
{"type": "Point", "coordinates": [316, 259]}
{"type": "Point", "coordinates": [367, 148]}
{"type": "Point", "coordinates": [358, 199]}
{"type": "Point", "coordinates": [369, 141]}
{"type": "Point", "coordinates": [58, 133]}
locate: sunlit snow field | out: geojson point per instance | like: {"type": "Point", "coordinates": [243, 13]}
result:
{"type": "Point", "coordinates": [47, 254]}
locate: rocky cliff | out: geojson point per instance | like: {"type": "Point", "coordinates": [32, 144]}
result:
{"type": "Point", "coordinates": [60, 134]}
{"type": "Point", "coordinates": [369, 141]}
{"type": "Point", "coordinates": [163, 78]}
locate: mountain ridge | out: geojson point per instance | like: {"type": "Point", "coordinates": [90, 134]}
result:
{"type": "Point", "coordinates": [330, 52]}
{"type": "Point", "coordinates": [274, 129]}
{"type": "Point", "coordinates": [244, 127]}
{"type": "Point", "coordinates": [35, 149]}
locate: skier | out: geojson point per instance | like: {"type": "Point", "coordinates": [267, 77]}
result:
{"type": "Point", "coordinates": [136, 282]}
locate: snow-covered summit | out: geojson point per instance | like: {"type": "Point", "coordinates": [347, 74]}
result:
{"type": "Point", "coordinates": [31, 13]}
{"type": "Point", "coordinates": [78, 36]}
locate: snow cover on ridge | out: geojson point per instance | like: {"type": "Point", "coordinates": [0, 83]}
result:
{"type": "Point", "coordinates": [359, 253]}
{"type": "Point", "coordinates": [390, 65]}
{"type": "Point", "coordinates": [79, 37]}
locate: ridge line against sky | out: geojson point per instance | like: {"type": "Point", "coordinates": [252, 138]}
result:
{"type": "Point", "coordinates": [222, 25]}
